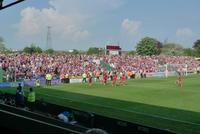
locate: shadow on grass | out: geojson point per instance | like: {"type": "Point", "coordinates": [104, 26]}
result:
{"type": "Point", "coordinates": [180, 121]}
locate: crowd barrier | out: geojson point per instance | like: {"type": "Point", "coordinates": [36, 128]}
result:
{"type": "Point", "coordinates": [164, 74]}
{"type": "Point", "coordinates": [28, 82]}
{"type": "Point", "coordinates": [10, 84]}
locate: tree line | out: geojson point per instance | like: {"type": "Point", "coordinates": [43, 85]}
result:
{"type": "Point", "coordinates": [146, 46]}
{"type": "Point", "coordinates": [151, 46]}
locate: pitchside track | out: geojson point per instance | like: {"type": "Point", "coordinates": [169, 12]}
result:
{"type": "Point", "coordinates": [156, 102]}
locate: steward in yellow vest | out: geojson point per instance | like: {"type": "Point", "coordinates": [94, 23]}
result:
{"type": "Point", "coordinates": [48, 79]}
{"type": "Point", "coordinates": [67, 78]}
{"type": "Point", "coordinates": [31, 99]}
{"type": "Point", "coordinates": [37, 83]}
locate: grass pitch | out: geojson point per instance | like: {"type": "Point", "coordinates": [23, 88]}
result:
{"type": "Point", "coordinates": [156, 102]}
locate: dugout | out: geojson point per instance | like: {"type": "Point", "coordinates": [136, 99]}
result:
{"type": "Point", "coordinates": [111, 125]}
{"type": "Point", "coordinates": [46, 123]}
{"type": "Point", "coordinates": [19, 121]}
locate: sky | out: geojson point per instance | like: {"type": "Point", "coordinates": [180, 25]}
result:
{"type": "Point", "coordinates": [81, 24]}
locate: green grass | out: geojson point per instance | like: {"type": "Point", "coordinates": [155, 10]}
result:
{"type": "Point", "coordinates": [156, 102]}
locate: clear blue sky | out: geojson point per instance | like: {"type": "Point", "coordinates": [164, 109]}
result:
{"type": "Point", "coordinates": [81, 24]}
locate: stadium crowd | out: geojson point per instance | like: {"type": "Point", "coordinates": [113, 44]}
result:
{"type": "Point", "coordinates": [38, 65]}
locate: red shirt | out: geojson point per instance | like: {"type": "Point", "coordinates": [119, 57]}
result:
{"type": "Point", "coordinates": [114, 77]}
{"type": "Point", "coordinates": [123, 77]}
{"type": "Point", "coordinates": [105, 76]}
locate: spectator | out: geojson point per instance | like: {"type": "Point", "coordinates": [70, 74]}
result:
{"type": "Point", "coordinates": [19, 66]}
{"type": "Point", "coordinates": [48, 79]}
{"type": "Point", "coordinates": [95, 131]}
{"type": "Point", "coordinates": [67, 78]}
{"type": "Point", "coordinates": [90, 79]}
{"type": "Point", "coordinates": [19, 97]}
{"type": "Point", "coordinates": [62, 77]}
{"type": "Point", "coordinates": [66, 117]}
{"type": "Point", "coordinates": [84, 76]}
{"type": "Point", "coordinates": [37, 83]}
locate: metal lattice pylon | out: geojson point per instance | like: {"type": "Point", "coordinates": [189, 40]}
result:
{"type": "Point", "coordinates": [49, 39]}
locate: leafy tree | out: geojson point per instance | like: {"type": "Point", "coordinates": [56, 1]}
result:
{"type": "Point", "coordinates": [93, 50]}
{"type": "Point", "coordinates": [75, 51]}
{"type": "Point", "coordinates": [32, 49]}
{"type": "Point", "coordinates": [147, 46]}
{"type": "Point", "coordinates": [196, 44]}
{"type": "Point", "coordinates": [159, 46]}
{"type": "Point", "coordinates": [172, 49]}
{"type": "Point", "coordinates": [2, 45]}
{"type": "Point", "coordinates": [197, 48]}
{"type": "Point", "coordinates": [188, 52]}
{"type": "Point", "coordinates": [8, 50]}
{"type": "Point", "coordinates": [38, 50]}
{"type": "Point", "coordinates": [50, 51]}
{"type": "Point", "coordinates": [27, 50]}
{"type": "Point", "coordinates": [132, 53]}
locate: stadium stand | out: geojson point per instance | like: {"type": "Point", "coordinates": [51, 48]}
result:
{"type": "Point", "coordinates": [20, 67]}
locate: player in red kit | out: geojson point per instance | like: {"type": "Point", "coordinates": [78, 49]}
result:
{"type": "Point", "coordinates": [114, 79]}
{"type": "Point", "coordinates": [179, 80]}
{"type": "Point", "coordinates": [90, 79]}
{"type": "Point", "coordinates": [123, 79]}
{"type": "Point", "coordinates": [104, 78]}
